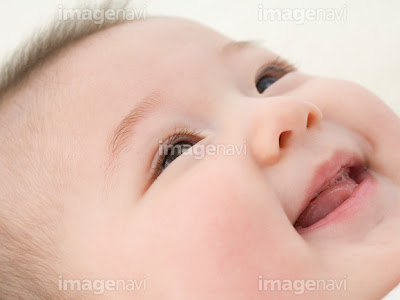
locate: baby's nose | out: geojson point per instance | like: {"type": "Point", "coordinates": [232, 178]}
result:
{"type": "Point", "coordinates": [276, 123]}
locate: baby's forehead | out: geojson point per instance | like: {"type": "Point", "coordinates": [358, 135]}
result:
{"type": "Point", "coordinates": [159, 51]}
{"type": "Point", "coordinates": [164, 48]}
{"type": "Point", "coordinates": [154, 42]}
{"type": "Point", "coordinates": [136, 53]}
{"type": "Point", "coordinates": [156, 35]}
{"type": "Point", "coordinates": [65, 39]}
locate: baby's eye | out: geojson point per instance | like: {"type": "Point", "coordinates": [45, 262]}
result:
{"type": "Point", "coordinates": [173, 152]}
{"type": "Point", "coordinates": [180, 141]}
{"type": "Point", "coordinates": [264, 83]}
{"type": "Point", "coordinates": [272, 73]}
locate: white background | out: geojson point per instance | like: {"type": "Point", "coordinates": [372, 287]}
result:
{"type": "Point", "coordinates": [364, 48]}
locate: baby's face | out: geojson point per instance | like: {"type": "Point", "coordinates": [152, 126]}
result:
{"type": "Point", "coordinates": [215, 224]}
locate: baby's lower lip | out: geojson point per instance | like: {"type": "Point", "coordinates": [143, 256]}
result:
{"type": "Point", "coordinates": [360, 196]}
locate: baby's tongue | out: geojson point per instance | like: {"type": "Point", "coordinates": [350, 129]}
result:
{"type": "Point", "coordinates": [337, 191]}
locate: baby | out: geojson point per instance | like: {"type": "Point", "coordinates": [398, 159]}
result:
{"type": "Point", "coordinates": [159, 159]}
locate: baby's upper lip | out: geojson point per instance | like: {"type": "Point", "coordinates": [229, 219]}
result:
{"type": "Point", "coordinates": [324, 172]}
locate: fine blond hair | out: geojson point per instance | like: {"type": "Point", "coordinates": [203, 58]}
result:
{"type": "Point", "coordinates": [47, 40]}
{"type": "Point", "coordinates": [28, 244]}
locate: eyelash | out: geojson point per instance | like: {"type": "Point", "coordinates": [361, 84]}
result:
{"type": "Point", "coordinates": [278, 67]}
{"type": "Point", "coordinates": [176, 137]}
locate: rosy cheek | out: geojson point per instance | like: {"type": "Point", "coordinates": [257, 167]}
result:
{"type": "Point", "coordinates": [211, 225]}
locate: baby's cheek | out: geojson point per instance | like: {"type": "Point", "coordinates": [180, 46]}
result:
{"type": "Point", "coordinates": [216, 231]}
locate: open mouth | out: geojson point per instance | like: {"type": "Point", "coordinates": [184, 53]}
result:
{"type": "Point", "coordinates": [332, 194]}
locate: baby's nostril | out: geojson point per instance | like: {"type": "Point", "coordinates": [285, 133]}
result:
{"type": "Point", "coordinates": [284, 137]}
{"type": "Point", "coordinates": [311, 119]}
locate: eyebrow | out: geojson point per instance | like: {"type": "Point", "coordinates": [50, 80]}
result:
{"type": "Point", "coordinates": [125, 128]}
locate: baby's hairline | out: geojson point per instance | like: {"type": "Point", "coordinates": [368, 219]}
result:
{"type": "Point", "coordinates": [47, 41]}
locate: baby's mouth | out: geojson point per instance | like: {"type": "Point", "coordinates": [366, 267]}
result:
{"type": "Point", "coordinates": [332, 194]}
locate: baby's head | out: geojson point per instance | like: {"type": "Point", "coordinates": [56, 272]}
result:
{"type": "Point", "coordinates": [290, 178]}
